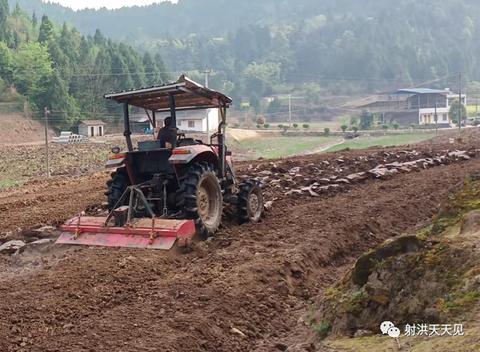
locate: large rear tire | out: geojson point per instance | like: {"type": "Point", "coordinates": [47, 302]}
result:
{"type": "Point", "coordinates": [250, 202]}
{"type": "Point", "coordinates": [116, 186]}
{"type": "Point", "coordinates": [202, 198]}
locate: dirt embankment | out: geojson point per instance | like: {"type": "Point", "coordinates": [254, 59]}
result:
{"type": "Point", "coordinates": [17, 129]}
{"type": "Point", "coordinates": [248, 289]}
{"type": "Point", "coordinates": [428, 277]}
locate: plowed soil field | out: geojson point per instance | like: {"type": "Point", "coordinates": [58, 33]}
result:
{"type": "Point", "coordinates": [247, 289]}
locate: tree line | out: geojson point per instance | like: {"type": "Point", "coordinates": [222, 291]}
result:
{"type": "Point", "coordinates": [57, 67]}
{"type": "Point", "coordinates": [259, 48]}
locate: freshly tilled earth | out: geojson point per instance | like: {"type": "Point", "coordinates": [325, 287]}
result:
{"type": "Point", "coordinates": [247, 289]}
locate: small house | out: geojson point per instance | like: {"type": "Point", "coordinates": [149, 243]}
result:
{"type": "Point", "coordinates": [197, 121]}
{"type": "Point", "coordinates": [91, 128]}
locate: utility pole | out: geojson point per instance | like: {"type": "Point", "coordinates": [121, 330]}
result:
{"type": "Point", "coordinates": [47, 151]}
{"type": "Point", "coordinates": [289, 110]}
{"type": "Point", "coordinates": [436, 116]}
{"type": "Point", "coordinates": [207, 73]}
{"type": "Point", "coordinates": [460, 105]}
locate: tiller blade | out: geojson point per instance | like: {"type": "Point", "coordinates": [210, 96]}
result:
{"type": "Point", "coordinates": [140, 233]}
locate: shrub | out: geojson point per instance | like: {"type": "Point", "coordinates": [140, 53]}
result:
{"type": "Point", "coordinates": [259, 126]}
{"type": "Point", "coordinates": [355, 129]}
{"type": "Point", "coordinates": [280, 126]}
{"type": "Point", "coordinates": [385, 127]}
{"type": "Point", "coordinates": [295, 125]}
{"type": "Point", "coordinates": [306, 126]}
{"type": "Point", "coordinates": [396, 126]}
{"type": "Point", "coordinates": [267, 125]}
{"type": "Point", "coordinates": [326, 130]}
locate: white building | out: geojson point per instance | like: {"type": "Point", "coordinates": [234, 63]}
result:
{"type": "Point", "coordinates": [423, 103]}
{"type": "Point", "coordinates": [197, 121]}
{"type": "Point", "coordinates": [91, 128]}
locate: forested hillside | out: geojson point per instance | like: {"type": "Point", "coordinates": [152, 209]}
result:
{"type": "Point", "coordinates": [44, 65]}
{"type": "Point", "coordinates": [260, 47]}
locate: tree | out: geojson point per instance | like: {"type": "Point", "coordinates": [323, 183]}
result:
{"type": "Point", "coordinates": [344, 128]}
{"type": "Point", "coordinates": [63, 106]}
{"type": "Point", "coordinates": [33, 69]}
{"type": "Point", "coordinates": [6, 63]}
{"type": "Point", "coordinates": [326, 131]}
{"type": "Point", "coordinates": [458, 112]}
{"type": "Point", "coordinates": [267, 126]}
{"type": "Point", "coordinates": [366, 120]}
{"type": "Point", "coordinates": [295, 125]}
{"type": "Point", "coordinates": [4, 10]}
{"type": "Point", "coordinates": [355, 129]}
{"type": "Point", "coordinates": [396, 126]}
{"type": "Point", "coordinates": [45, 34]}
{"type": "Point", "coordinates": [152, 73]}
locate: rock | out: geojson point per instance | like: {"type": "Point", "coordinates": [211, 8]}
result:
{"type": "Point", "coordinates": [281, 346]}
{"type": "Point", "coordinates": [265, 173]}
{"type": "Point", "coordinates": [367, 262]}
{"type": "Point", "coordinates": [42, 241]}
{"type": "Point", "coordinates": [343, 180]}
{"type": "Point", "coordinates": [11, 247]}
{"type": "Point", "coordinates": [357, 177]}
{"type": "Point", "coordinates": [363, 333]}
{"type": "Point", "coordinates": [238, 332]}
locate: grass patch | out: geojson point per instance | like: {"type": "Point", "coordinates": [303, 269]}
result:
{"type": "Point", "coordinates": [278, 147]}
{"type": "Point", "coordinates": [9, 183]}
{"type": "Point", "coordinates": [383, 141]}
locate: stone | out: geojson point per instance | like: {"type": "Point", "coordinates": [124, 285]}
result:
{"type": "Point", "coordinates": [363, 333]}
{"type": "Point", "coordinates": [42, 241]}
{"type": "Point", "coordinates": [238, 332]}
{"type": "Point", "coordinates": [11, 247]}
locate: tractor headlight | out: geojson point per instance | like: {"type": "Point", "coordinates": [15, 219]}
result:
{"type": "Point", "coordinates": [116, 150]}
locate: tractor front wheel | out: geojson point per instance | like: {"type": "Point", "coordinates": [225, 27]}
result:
{"type": "Point", "coordinates": [250, 202]}
{"type": "Point", "coordinates": [203, 200]}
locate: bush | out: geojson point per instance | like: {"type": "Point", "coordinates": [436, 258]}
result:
{"type": "Point", "coordinates": [306, 126]}
{"type": "Point", "coordinates": [259, 126]}
{"type": "Point", "coordinates": [280, 126]}
{"type": "Point", "coordinates": [326, 130]}
{"type": "Point", "coordinates": [396, 126]}
{"type": "Point", "coordinates": [267, 125]}
{"type": "Point", "coordinates": [385, 127]}
{"type": "Point", "coordinates": [355, 129]}
{"type": "Point", "coordinates": [413, 126]}
{"type": "Point", "coordinates": [344, 128]}
{"type": "Point", "coordinates": [295, 125]}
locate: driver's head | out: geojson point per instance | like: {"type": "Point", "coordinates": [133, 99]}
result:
{"type": "Point", "coordinates": [168, 121]}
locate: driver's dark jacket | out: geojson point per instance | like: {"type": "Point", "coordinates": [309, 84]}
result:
{"type": "Point", "coordinates": [167, 135]}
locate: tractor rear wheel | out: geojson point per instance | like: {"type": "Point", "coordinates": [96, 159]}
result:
{"type": "Point", "coordinates": [203, 200]}
{"type": "Point", "coordinates": [250, 202]}
{"type": "Point", "coordinates": [116, 186]}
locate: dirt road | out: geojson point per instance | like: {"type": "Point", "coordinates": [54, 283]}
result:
{"type": "Point", "coordinates": [249, 289]}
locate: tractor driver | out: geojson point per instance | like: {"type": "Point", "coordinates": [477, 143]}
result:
{"type": "Point", "coordinates": [167, 134]}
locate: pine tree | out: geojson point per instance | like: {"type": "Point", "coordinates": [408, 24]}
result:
{"type": "Point", "coordinates": [46, 30]}
{"type": "Point", "coordinates": [152, 72]}
{"type": "Point", "coordinates": [3, 19]}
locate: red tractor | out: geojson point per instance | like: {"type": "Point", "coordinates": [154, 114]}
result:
{"type": "Point", "coordinates": [158, 195]}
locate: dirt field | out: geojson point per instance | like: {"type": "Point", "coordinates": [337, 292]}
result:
{"type": "Point", "coordinates": [248, 289]}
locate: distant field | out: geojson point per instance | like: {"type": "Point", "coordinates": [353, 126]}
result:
{"type": "Point", "coordinates": [277, 147]}
{"type": "Point", "coordinates": [384, 141]}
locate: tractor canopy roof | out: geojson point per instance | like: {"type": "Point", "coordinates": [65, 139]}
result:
{"type": "Point", "coordinates": [189, 95]}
